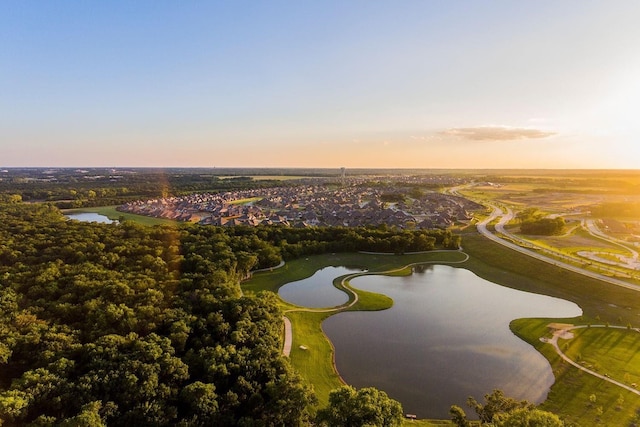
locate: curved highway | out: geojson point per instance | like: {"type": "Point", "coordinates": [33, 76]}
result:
{"type": "Point", "coordinates": [593, 229]}
{"type": "Point", "coordinates": [505, 217]}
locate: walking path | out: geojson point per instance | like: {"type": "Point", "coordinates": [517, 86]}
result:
{"type": "Point", "coordinates": [632, 262]}
{"type": "Point", "coordinates": [268, 268]}
{"type": "Point", "coordinates": [288, 329]}
{"type": "Point", "coordinates": [286, 349]}
{"type": "Point", "coordinates": [554, 342]}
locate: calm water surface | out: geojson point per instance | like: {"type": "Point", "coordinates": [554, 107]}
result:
{"type": "Point", "coordinates": [89, 217]}
{"type": "Point", "coordinates": [317, 291]}
{"type": "Point", "coordinates": [446, 338]}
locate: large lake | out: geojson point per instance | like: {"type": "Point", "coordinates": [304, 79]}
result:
{"type": "Point", "coordinates": [89, 217]}
{"type": "Point", "coordinates": [317, 291]}
{"type": "Point", "coordinates": [446, 338]}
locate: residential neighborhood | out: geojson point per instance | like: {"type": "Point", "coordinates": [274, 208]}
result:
{"type": "Point", "coordinates": [312, 205]}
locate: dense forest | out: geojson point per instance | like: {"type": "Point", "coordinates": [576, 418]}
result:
{"type": "Point", "coordinates": [122, 324]}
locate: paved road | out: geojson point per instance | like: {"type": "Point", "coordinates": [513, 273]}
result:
{"type": "Point", "coordinates": [554, 342]}
{"type": "Point", "coordinates": [506, 217]}
{"type": "Point", "coordinates": [593, 229]}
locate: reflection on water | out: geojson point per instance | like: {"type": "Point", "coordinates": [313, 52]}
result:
{"type": "Point", "coordinates": [317, 291]}
{"type": "Point", "coordinates": [89, 217]}
{"type": "Point", "coordinates": [446, 338]}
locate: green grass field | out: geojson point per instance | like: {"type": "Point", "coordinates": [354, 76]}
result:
{"type": "Point", "coordinates": [615, 352]}
{"type": "Point", "coordinates": [608, 350]}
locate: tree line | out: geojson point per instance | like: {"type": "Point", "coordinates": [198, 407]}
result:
{"type": "Point", "coordinates": [75, 189]}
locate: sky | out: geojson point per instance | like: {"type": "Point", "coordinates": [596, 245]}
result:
{"type": "Point", "coordinates": [332, 83]}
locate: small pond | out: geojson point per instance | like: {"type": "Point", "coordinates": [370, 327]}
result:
{"type": "Point", "coordinates": [317, 291]}
{"type": "Point", "coordinates": [89, 217]}
{"type": "Point", "coordinates": [446, 337]}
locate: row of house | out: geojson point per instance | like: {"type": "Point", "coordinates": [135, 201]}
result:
{"type": "Point", "coordinates": [308, 205]}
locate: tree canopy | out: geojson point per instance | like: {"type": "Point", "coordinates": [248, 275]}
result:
{"type": "Point", "coordinates": [131, 325]}
{"type": "Point", "coordinates": [499, 410]}
{"type": "Point", "coordinates": [533, 222]}
{"type": "Point", "coordinates": [365, 407]}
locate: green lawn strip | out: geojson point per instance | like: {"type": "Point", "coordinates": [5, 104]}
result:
{"type": "Point", "coordinates": [315, 363]}
{"type": "Point", "coordinates": [370, 301]}
{"type": "Point", "coordinates": [111, 213]}
{"type": "Point", "coordinates": [297, 269]}
{"type": "Point", "coordinates": [570, 395]}
{"type": "Point", "coordinates": [245, 201]}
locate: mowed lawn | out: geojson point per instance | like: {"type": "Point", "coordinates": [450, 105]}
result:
{"type": "Point", "coordinates": [615, 352]}
{"type": "Point", "coordinates": [606, 350]}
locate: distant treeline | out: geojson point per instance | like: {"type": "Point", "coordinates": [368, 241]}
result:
{"type": "Point", "coordinates": [580, 182]}
{"type": "Point", "coordinates": [75, 189]}
{"type": "Point", "coordinates": [121, 324]}
{"type": "Point", "coordinates": [617, 210]}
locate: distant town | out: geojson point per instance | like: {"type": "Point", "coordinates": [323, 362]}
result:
{"type": "Point", "coordinates": [351, 204]}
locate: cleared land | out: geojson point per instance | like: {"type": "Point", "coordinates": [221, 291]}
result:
{"type": "Point", "coordinates": [590, 241]}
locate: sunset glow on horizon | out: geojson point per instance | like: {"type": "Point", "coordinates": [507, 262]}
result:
{"type": "Point", "coordinates": [415, 84]}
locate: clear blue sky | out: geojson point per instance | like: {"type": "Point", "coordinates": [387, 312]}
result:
{"type": "Point", "coordinates": [434, 84]}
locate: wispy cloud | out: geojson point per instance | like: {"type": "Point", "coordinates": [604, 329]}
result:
{"type": "Point", "coordinates": [496, 133]}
